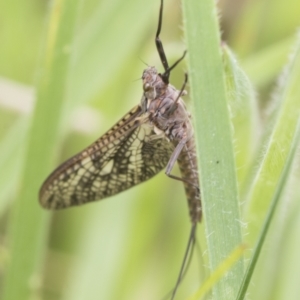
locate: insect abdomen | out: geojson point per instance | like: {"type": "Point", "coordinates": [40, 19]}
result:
{"type": "Point", "coordinates": [187, 162]}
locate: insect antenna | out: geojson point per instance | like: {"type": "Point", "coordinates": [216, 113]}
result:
{"type": "Point", "coordinates": [143, 62]}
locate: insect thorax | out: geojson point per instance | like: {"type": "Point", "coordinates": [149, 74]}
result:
{"type": "Point", "coordinates": [157, 100]}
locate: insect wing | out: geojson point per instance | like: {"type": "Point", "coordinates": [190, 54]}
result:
{"type": "Point", "coordinates": [123, 157]}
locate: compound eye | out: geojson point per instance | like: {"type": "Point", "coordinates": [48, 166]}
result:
{"type": "Point", "coordinates": [147, 87]}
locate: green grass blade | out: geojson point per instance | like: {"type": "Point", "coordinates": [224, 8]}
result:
{"type": "Point", "coordinates": [277, 147]}
{"type": "Point", "coordinates": [214, 141]}
{"type": "Point", "coordinates": [244, 113]}
{"type": "Point", "coordinates": [218, 273]}
{"type": "Point", "coordinates": [29, 222]}
{"type": "Point", "coordinates": [10, 164]}
{"type": "Point", "coordinates": [274, 203]}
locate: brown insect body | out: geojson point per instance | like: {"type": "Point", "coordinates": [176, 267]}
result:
{"type": "Point", "coordinates": [171, 120]}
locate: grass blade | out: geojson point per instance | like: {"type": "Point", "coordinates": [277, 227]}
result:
{"type": "Point", "coordinates": [244, 115]}
{"type": "Point", "coordinates": [277, 147]}
{"type": "Point", "coordinates": [214, 140]}
{"type": "Point", "coordinates": [29, 222]}
{"type": "Point", "coordinates": [280, 189]}
{"type": "Point", "coordinates": [10, 164]}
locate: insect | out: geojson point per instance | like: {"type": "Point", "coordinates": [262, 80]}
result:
{"type": "Point", "coordinates": [151, 137]}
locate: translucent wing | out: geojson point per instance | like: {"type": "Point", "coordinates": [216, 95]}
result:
{"type": "Point", "coordinates": [120, 159]}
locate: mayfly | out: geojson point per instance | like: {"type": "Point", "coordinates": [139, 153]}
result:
{"type": "Point", "coordinates": [151, 137]}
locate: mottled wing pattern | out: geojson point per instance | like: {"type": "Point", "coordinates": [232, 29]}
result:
{"type": "Point", "coordinates": [120, 159]}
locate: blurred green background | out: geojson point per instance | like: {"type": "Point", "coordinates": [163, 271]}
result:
{"type": "Point", "coordinates": [129, 246]}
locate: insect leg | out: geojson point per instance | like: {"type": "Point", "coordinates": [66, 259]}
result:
{"type": "Point", "coordinates": [172, 161]}
{"type": "Point", "coordinates": [173, 107]}
{"type": "Point", "coordinates": [160, 48]}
